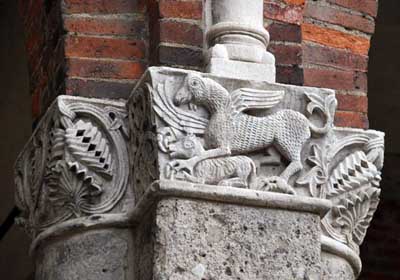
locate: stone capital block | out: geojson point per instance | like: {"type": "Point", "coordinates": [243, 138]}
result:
{"type": "Point", "coordinates": [74, 166]}
{"type": "Point", "coordinates": [206, 130]}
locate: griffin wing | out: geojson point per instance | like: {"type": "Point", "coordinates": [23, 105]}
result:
{"type": "Point", "coordinates": [174, 116]}
{"type": "Point", "coordinates": [247, 98]}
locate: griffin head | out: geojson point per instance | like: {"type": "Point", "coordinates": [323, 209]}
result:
{"type": "Point", "coordinates": [192, 88]}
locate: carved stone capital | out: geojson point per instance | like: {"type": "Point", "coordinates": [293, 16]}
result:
{"type": "Point", "coordinates": [75, 164]}
{"type": "Point", "coordinates": [203, 129]}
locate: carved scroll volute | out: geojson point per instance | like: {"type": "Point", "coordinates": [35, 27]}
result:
{"type": "Point", "coordinates": [75, 165]}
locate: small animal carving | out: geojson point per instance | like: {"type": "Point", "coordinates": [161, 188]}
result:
{"type": "Point", "coordinates": [235, 171]}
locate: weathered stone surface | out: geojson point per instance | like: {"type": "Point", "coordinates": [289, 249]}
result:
{"type": "Point", "coordinates": [178, 234]}
{"type": "Point", "coordinates": [92, 255]}
{"type": "Point", "coordinates": [189, 127]}
{"type": "Point", "coordinates": [335, 267]}
{"type": "Point", "coordinates": [75, 165]}
{"type": "Point", "coordinates": [203, 240]}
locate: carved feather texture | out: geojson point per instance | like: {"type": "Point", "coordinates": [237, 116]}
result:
{"type": "Point", "coordinates": [89, 148]}
{"type": "Point", "coordinates": [247, 98]}
{"type": "Point", "coordinates": [353, 172]}
{"type": "Point", "coordinates": [174, 116]}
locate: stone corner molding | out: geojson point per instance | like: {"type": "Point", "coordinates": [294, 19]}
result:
{"type": "Point", "coordinates": [74, 165]}
{"type": "Point", "coordinates": [200, 128]}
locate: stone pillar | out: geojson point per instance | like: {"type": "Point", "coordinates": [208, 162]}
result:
{"type": "Point", "coordinates": [201, 175]}
{"type": "Point", "coordinates": [213, 171]}
{"type": "Point", "coordinates": [238, 41]}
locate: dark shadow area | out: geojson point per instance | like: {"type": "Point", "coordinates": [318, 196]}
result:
{"type": "Point", "coordinates": [15, 125]}
{"type": "Point", "coordinates": [380, 251]}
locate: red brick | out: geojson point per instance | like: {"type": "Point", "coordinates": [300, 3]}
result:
{"type": "Point", "coordinates": [361, 81]}
{"type": "Point", "coordinates": [98, 89]}
{"type": "Point", "coordinates": [336, 39]}
{"type": "Point", "coordinates": [179, 56]}
{"type": "Point", "coordinates": [103, 6]}
{"type": "Point", "coordinates": [286, 54]}
{"type": "Point", "coordinates": [181, 33]}
{"type": "Point", "coordinates": [326, 56]}
{"type": "Point", "coordinates": [290, 14]}
{"type": "Point", "coordinates": [292, 75]}
{"type": "Point", "coordinates": [295, 2]}
{"type": "Point", "coordinates": [108, 69]}
{"type": "Point", "coordinates": [354, 103]}
{"type": "Point", "coordinates": [284, 32]}
{"type": "Point", "coordinates": [336, 16]}
{"type": "Point", "coordinates": [181, 9]}
{"type": "Point", "coordinates": [329, 78]}
{"type": "Point", "coordinates": [351, 119]}
{"type": "Point", "coordinates": [106, 26]}
{"type": "Point", "coordinates": [369, 7]}
{"type": "Point", "coordinates": [99, 47]}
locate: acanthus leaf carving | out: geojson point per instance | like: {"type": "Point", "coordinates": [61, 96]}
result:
{"type": "Point", "coordinates": [350, 180]}
{"type": "Point", "coordinates": [352, 215]}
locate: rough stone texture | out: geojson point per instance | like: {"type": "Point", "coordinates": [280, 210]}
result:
{"type": "Point", "coordinates": [334, 267]}
{"type": "Point", "coordinates": [104, 254]}
{"type": "Point", "coordinates": [204, 240]}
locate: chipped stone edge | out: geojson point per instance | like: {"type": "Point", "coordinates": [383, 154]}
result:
{"type": "Point", "coordinates": [167, 188]}
{"type": "Point", "coordinates": [336, 248]}
{"type": "Point", "coordinates": [236, 196]}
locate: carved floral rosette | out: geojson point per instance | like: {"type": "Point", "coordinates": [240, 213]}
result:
{"type": "Point", "coordinates": [175, 136]}
{"type": "Point", "coordinates": [75, 164]}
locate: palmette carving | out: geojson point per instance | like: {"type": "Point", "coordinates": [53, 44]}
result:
{"type": "Point", "coordinates": [75, 164]}
{"type": "Point", "coordinates": [350, 181]}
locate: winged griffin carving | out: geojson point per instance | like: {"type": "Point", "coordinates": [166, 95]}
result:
{"type": "Point", "coordinates": [231, 131]}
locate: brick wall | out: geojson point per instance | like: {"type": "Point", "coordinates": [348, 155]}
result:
{"type": "Point", "coordinates": [101, 47]}
{"type": "Point", "coordinates": [325, 43]}
{"type": "Point", "coordinates": [81, 47]}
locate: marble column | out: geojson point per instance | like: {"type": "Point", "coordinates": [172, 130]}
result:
{"type": "Point", "coordinates": [237, 40]}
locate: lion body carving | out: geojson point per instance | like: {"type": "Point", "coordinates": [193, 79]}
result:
{"type": "Point", "coordinates": [229, 130]}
